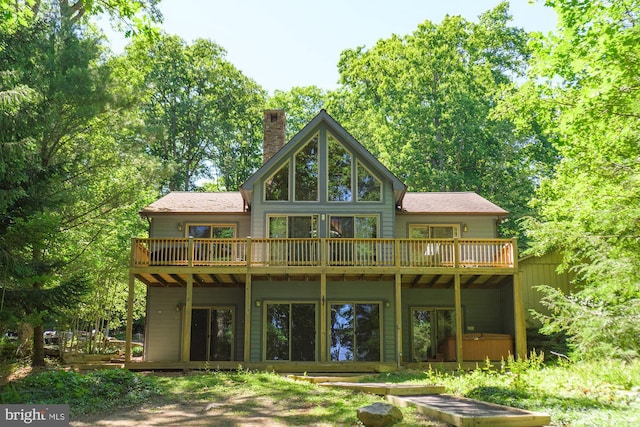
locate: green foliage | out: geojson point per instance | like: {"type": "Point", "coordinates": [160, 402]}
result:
{"type": "Point", "coordinates": [202, 116]}
{"type": "Point", "coordinates": [583, 84]}
{"type": "Point", "coordinates": [300, 104]}
{"type": "Point", "coordinates": [97, 391]}
{"type": "Point", "coordinates": [423, 103]}
{"type": "Point", "coordinates": [65, 177]}
{"type": "Point", "coordinates": [604, 393]}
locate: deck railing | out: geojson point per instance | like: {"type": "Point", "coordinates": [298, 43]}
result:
{"type": "Point", "coordinates": [469, 253]}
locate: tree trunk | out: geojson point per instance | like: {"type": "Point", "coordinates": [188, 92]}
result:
{"type": "Point", "coordinates": [37, 358]}
{"type": "Point", "coordinates": [25, 334]}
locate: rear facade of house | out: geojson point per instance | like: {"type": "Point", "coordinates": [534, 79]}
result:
{"type": "Point", "coordinates": [323, 261]}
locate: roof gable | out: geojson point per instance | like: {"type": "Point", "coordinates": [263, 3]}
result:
{"type": "Point", "coordinates": [323, 118]}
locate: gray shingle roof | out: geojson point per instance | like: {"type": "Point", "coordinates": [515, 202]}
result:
{"type": "Point", "coordinates": [231, 202]}
{"type": "Point", "coordinates": [450, 203]}
{"type": "Point", "coordinates": [196, 203]}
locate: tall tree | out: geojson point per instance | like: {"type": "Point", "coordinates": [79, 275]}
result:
{"type": "Point", "coordinates": [584, 82]}
{"type": "Point", "coordinates": [301, 104]}
{"type": "Point", "coordinates": [423, 104]}
{"type": "Point", "coordinates": [61, 173]}
{"type": "Point", "coordinates": [202, 115]}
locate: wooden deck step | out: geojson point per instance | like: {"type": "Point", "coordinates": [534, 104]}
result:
{"type": "Point", "coordinates": [383, 389]}
{"type": "Point", "coordinates": [463, 412]}
{"type": "Point", "coordinates": [314, 379]}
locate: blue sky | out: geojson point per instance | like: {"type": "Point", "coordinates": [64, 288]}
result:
{"type": "Point", "coordinates": [286, 43]}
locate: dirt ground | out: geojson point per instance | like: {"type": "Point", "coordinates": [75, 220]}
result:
{"type": "Point", "coordinates": [181, 414]}
{"type": "Point", "coordinates": [221, 414]}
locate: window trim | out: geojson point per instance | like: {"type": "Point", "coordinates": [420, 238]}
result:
{"type": "Point", "coordinates": [316, 349]}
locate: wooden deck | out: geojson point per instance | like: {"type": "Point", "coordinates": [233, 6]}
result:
{"type": "Point", "coordinates": [432, 263]}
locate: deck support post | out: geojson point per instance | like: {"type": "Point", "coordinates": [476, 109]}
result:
{"type": "Point", "coordinates": [323, 300]}
{"type": "Point", "coordinates": [323, 317]}
{"type": "Point", "coordinates": [247, 319]}
{"type": "Point", "coordinates": [186, 321]}
{"type": "Point", "coordinates": [459, 328]}
{"type": "Point", "coordinates": [518, 309]}
{"type": "Point", "coordinates": [398, 317]}
{"type": "Point", "coordinates": [129, 331]}
{"type": "Point", "coordinates": [247, 303]}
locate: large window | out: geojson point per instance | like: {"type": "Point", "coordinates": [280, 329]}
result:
{"type": "Point", "coordinates": [210, 252]}
{"type": "Point", "coordinates": [301, 251]}
{"type": "Point", "coordinates": [430, 328]}
{"type": "Point", "coordinates": [355, 332]}
{"type": "Point", "coordinates": [359, 226]}
{"type": "Point", "coordinates": [290, 332]}
{"type": "Point", "coordinates": [293, 226]}
{"type": "Point", "coordinates": [369, 187]}
{"type": "Point", "coordinates": [434, 231]}
{"type": "Point", "coordinates": [211, 231]}
{"type": "Point", "coordinates": [277, 186]}
{"type": "Point", "coordinates": [306, 172]}
{"type": "Point", "coordinates": [339, 162]}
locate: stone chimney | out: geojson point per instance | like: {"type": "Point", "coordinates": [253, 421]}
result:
{"type": "Point", "coordinates": [275, 133]}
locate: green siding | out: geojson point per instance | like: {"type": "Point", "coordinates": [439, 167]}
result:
{"type": "Point", "coordinates": [164, 323]}
{"type": "Point", "coordinates": [541, 270]}
{"type": "Point", "coordinates": [166, 226]}
{"type": "Point", "coordinates": [484, 310]}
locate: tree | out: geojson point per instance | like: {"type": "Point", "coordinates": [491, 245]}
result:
{"type": "Point", "coordinates": [301, 104]}
{"type": "Point", "coordinates": [423, 104]}
{"type": "Point", "coordinates": [62, 173]}
{"type": "Point", "coordinates": [202, 115]}
{"type": "Point", "coordinates": [584, 82]}
{"type": "Point", "coordinates": [132, 16]}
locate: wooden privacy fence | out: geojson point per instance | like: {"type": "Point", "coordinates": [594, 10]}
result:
{"type": "Point", "coordinates": [496, 253]}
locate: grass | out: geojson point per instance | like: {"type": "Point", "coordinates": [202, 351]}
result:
{"type": "Point", "coordinates": [604, 393]}
{"type": "Point", "coordinates": [242, 393]}
{"type": "Point", "coordinates": [596, 393]}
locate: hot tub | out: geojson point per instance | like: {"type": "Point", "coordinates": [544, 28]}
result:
{"type": "Point", "coordinates": [479, 346]}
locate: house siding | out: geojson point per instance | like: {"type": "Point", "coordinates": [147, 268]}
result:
{"type": "Point", "coordinates": [164, 323]}
{"type": "Point", "coordinates": [541, 270]}
{"type": "Point", "coordinates": [166, 226]}
{"type": "Point", "coordinates": [482, 227]}
{"type": "Point", "coordinates": [483, 310]}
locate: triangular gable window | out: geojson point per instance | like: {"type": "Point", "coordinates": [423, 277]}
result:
{"type": "Point", "coordinates": [369, 187]}
{"type": "Point", "coordinates": [277, 186]}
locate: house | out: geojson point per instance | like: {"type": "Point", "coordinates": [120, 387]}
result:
{"type": "Point", "coordinates": [323, 261]}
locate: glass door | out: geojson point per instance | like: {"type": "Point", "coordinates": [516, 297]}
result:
{"type": "Point", "coordinates": [430, 328]}
{"type": "Point", "coordinates": [212, 334]}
